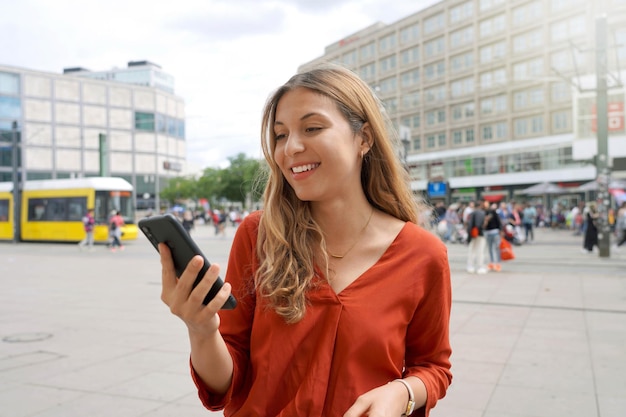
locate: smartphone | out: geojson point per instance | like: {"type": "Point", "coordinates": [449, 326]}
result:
{"type": "Point", "coordinates": [168, 229]}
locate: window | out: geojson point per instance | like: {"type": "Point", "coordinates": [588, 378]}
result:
{"type": "Point", "coordinates": [411, 100]}
{"type": "Point", "coordinates": [441, 140]}
{"type": "Point", "coordinates": [10, 108]}
{"type": "Point", "coordinates": [461, 87]}
{"type": "Point", "coordinates": [561, 121]}
{"type": "Point", "coordinates": [462, 61]}
{"type": "Point", "coordinates": [528, 41]}
{"type": "Point", "coordinates": [368, 51]}
{"type": "Point", "coordinates": [417, 143]}
{"type": "Point", "coordinates": [410, 78]}
{"type": "Point", "coordinates": [487, 133]}
{"type": "Point", "coordinates": [435, 93]}
{"type": "Point", "coordinates": [56, 209]}
{"type": "Point", "coordinates": [528, 70]}
{"type": "Point", "coordinates": [561, 92]}
{"type": "Point", "coordinates": [430, 141]}
{"type": "Point", "coordinates": [349, 59]}
{"type": "Point", "coordinates": [387, 43]}
{"type": "Point", "coordinates": [501, 130]}
{"type": "Point", "coordinates": [435, 70]}
{"type": "Point", "coordinates": [4, 210]}
{"type": "Point", "coordinates": [368, 71]}
{"type": "Point", "coordinates": [387, 64]}
{"type": "Point", "coordinates": [492, 52]}
{"type": "Point", "coordinates": [457, 137]}
{"type": "Point", "coordinates": [434, 23]}
{"type": "Point", "coordinates": [9, 84]}
{"type": "Point", "coordinates": [568, 28]}
{"type": "Point", "coordinates": [492, 25]}
{"type": "Point", "coordinates": [490, 4]}
{"type": "Point", "coordinates": [462, 37]}
{"type": "Point", "coordinates": [144, 121]}
{"type": "Point", "coordinates": [434, 47]}
{"type": "Point", "coordinates": [527, 13]}
{"type": "Point", "coordinates": [410, 56]}
{"type": "Point", "coordinates": [409, 33]}
{"type": "Point", "coordinates": [461, 12]}
{"type": "Point", "coordinates": [469, 136]}
{"type": "Point", "coordinates": [491, 79]}
{"type": "Point", "coordinates": [463, 111]}
{"type": "Point", "coordinates": [388, 85]}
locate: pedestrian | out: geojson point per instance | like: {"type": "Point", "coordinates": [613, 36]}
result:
{"type": "Point", "coordinates": [343, 300]}
{"type": "Point", "coordinates": [493, 230]}
{"type": "Point", "coordinates": [115, 230]}
{"type": "Point", "coordinates": [188, 222]}
{"type": "Point", "coordinates": [476, 241]}
{"type": "Point", "coordinates": [591, 231]}
{"type": "Point", "coordinates": [529, 216]}
{"type": "Point", "coordinates": [620, 225]}
{"type": "Point", "coordinates": [88, 224]}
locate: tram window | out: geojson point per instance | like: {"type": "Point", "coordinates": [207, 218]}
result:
{"type": "Point", "coordinates": [36, 209]}
{"type": "Point", "coordinates": [4, 210]}
{"type": "Point", "coordinates": [57, 209]}
{"type": "Point", "coordinates": [76, 209]}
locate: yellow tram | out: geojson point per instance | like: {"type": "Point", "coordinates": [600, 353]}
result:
{"type": "Point", "coordinates": [52, 210]}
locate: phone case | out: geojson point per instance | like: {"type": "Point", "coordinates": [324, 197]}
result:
{"type": "Point", "coordinates": [169, 230]}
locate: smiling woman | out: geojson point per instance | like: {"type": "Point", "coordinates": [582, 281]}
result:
{"type": "Point", "coordinates": [335, 260]}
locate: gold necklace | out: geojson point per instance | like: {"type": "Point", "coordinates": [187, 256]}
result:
{"type": "Point", "coordinates": [356, 240]}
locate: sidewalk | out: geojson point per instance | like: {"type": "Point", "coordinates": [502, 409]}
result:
{"type": "Point", "coordinates": [85, 334]}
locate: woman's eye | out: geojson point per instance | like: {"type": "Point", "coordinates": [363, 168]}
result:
{"type": "Point", "coordinates": [313, 129]}
{"type": "Point", "coordinates": [279, 136]}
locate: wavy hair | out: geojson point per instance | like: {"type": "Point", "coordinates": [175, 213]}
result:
{"type": "Point", "coordinates": [288, 237]}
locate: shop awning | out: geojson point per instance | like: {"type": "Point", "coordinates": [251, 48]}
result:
{"type": "Point", "coordinates": [493, 198]}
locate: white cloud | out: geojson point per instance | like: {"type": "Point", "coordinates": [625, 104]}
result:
{"type": "Point", "coordinates": [227, 56]}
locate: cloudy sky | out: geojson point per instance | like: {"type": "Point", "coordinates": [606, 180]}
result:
{"type": "Point", "coordinates": [226, 56]}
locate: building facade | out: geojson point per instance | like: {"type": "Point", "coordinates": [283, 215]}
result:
{"type": "Point", "coordinates": [482, 92]}
{"type": "Point", "coordinates": [81, 124]}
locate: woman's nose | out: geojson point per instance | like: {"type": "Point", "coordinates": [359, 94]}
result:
{"type": "Point", "coordinates": [294, 144]}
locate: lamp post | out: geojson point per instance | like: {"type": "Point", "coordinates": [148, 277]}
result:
{"type": "Point", "coordinates": [16, 182]}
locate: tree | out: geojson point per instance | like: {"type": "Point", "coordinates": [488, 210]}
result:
{"type": "Point", "coordinates": [180, 188]}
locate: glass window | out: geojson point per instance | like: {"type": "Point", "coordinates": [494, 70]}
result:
{"type": "Point", "coordinates": [10, 108]}
{"type": "Point", "coordinates": [4, 210]}
{"type": "Point", "coordinates": [144, 121]}
{"type": "Point", "coordinates": [441, 140]}
{"type": "Point", "coordinates": [57, 209]}
{"type": "Point", "coordinates": [430, 141]}
{"type": "Point", "coordinates": [469, 136]}
{"type": "Point", "coordinates": [409, 33]}
{"type": "Point", "coordinates": [9, 84]}
{"type": "Point", "coordinates": [161, 126]}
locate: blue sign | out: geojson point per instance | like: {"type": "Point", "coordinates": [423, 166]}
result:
{"type": "Point", "coordinates": [437, 189]}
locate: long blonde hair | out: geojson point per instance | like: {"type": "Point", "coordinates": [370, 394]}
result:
{"type": "Point", "coordinates": [288, 237]}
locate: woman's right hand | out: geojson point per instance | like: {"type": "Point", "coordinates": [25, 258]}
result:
{"type": "Point", "coordinates": [185, 301]}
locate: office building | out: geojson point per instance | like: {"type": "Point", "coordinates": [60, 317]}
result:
{"type": "Point", "coordinates": [482, 92]}
{"type": "Point", "coordinates": [123, 122]}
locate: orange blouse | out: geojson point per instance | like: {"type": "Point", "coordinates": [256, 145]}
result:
{"type": "Point", "coordinates": [391, 322]}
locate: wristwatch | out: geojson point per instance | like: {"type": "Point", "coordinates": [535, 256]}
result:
{"type": "Point", "coordinates": [410, 406]}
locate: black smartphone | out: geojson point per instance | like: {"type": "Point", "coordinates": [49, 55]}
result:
{"type": "Point", "coordinates": [168, 229]}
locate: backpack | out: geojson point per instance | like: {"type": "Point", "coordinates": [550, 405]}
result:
{"type": "Point", "coordinates": [113, 225]}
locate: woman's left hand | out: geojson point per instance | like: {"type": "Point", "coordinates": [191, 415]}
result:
{"type": "Point", "coordinates": [389, 400]}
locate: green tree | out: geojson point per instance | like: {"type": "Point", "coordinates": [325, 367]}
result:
{"type": "Point", "coordinates": [240, 176]}
{"type": "Point", "coordinates": [180, 188]}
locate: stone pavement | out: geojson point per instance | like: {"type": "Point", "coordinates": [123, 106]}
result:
{"type": "Point", "coordinates": [85, 334]}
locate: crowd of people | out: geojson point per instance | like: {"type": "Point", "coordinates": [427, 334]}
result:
{"type": "Point", "coordinates": [482, 225]}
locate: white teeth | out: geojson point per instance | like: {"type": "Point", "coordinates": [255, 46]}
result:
{"type": "Point", "coordinates": [304, 168]}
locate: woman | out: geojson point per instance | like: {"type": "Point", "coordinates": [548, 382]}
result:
{"type": "Point", "coordinates": [493, 231]}
{"type": "Point", "coordinates": [591, 232]}
{"type": "Point", "coordinates": [343, 301]}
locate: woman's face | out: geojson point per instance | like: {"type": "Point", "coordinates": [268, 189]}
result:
{"type": "Point", "coordinates": [315, 148]}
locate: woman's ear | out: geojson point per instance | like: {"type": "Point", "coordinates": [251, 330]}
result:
{"type": "Point", "coordinates": [366, 138]}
